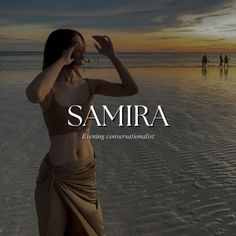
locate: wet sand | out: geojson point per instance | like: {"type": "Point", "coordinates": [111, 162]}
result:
{"type": "Point", "coordinates": [180, 183]}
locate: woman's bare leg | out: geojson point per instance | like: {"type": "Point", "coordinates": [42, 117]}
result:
{"type": "Point", "coordinates": [58, 215]}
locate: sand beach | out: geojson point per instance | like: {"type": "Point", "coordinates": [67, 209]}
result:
{"type": "Point", "coordinates": [180, 183]}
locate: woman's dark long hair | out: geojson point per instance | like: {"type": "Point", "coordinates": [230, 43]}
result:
{"type": "Point", "coordinates": [57, 42]}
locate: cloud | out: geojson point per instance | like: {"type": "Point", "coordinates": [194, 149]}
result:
{"type": "Point", "coordinates": [119, 15]}
{"type": "Point", "coordinates": [154, 19]}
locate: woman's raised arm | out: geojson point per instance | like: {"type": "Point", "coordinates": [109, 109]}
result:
{"type": "Point", "coordinates": [40, 86]}
{"type": "Point", "coordinates": [128, 86]}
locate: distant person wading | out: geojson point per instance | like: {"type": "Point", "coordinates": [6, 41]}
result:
{"type": "Point", "coordinates": [221, 60]}
{"type": "Point", "coordinates": [226, 61]}
{"type": "Point", "coordinates": [204, 61]}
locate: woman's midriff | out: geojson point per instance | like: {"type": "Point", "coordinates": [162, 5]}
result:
{"type": "Point", "coordinates": [71, 147]}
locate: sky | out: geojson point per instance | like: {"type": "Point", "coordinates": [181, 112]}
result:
{"type": "Point", "coordinates": [133, 26]}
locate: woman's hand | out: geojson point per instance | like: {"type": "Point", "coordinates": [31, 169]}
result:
{"type": "Point", "coordinates": [67, 55]}
{"type": "Point", "coordinates": [105, 46]}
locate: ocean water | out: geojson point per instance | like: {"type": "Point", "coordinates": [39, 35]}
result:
{"type": "Point", "coordinates": [30, 60]}
{"type": "Point", "coordinates": [146, 187]}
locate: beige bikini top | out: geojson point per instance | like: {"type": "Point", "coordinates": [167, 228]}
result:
{"type": "Point", "coordinates": [56, 117]}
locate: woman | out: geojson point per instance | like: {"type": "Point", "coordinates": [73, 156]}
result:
{"type": "Point", "coordinates": [65, 193]}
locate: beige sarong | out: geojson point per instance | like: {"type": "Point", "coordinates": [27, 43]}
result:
{"type": "Point", "coordinates": [76, 185]}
